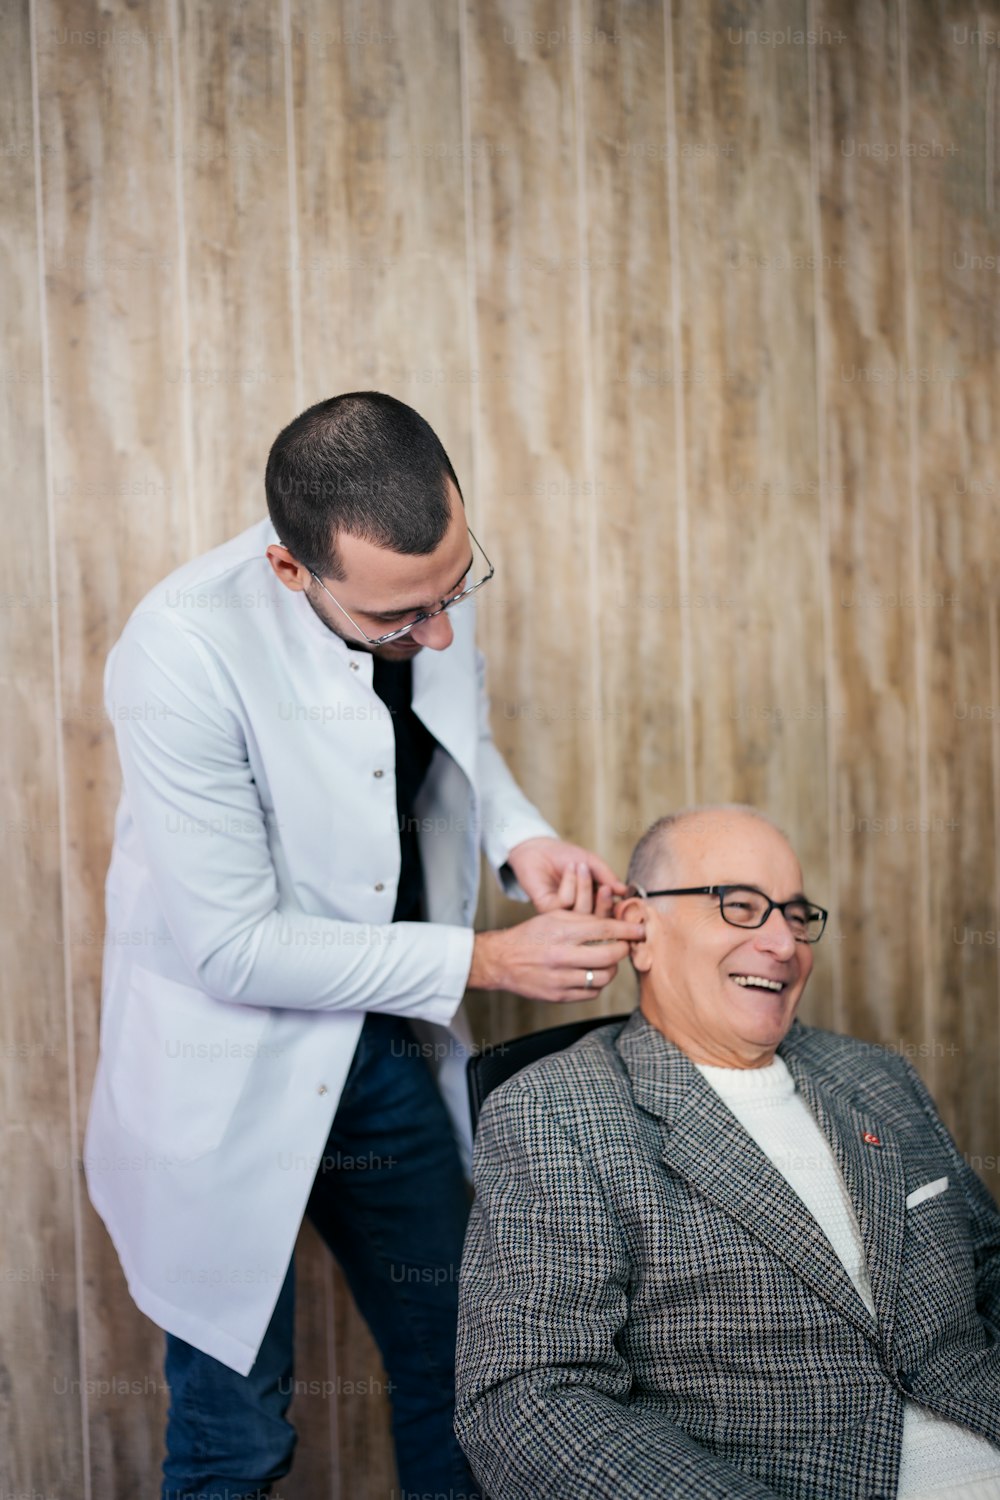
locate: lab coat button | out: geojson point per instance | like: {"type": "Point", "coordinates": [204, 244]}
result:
{"type": "Point", "coordinates": [321, 1088]}
{"type": "Point", "coordinates": [379, 886]}
{"type": "Point", "coordinates": [353, 666]}
{"type": "Point", "coordinates": [377, 774]}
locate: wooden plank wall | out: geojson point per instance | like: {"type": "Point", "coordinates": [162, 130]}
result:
{"type": "Point", "coordinates": [703, 301]}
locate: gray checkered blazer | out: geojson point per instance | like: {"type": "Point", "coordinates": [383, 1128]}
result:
{"type": "Point", "coordinates": [647, 1309]}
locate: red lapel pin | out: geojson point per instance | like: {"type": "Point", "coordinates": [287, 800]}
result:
{"type": "Point", "coordinates": [870, 1139]}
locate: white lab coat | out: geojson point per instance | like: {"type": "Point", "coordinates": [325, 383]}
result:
{"type": "Point", "coordinates": [249, 903]}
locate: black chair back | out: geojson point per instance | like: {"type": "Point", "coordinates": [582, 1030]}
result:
{"type": "Point", "coordinates": [494, 1065]}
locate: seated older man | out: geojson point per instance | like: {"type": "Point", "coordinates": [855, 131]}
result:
{"type": "Point", "coordinates": [716, 1252]}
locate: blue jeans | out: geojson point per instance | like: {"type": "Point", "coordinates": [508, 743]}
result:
{"type": "Point", "coordinates": [396, 1228]}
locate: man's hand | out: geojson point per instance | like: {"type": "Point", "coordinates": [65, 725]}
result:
{"type": "Point", "coordinates": [541, 863]}
{"type": "Point", "coordinates": [548, 957]}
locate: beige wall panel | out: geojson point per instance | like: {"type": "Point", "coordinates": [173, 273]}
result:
{"type": "Point", "coordinates": [41, 1434]}
{"type": "Point", "coordinates": [636, 614]}
{"type": "Point", "coordinates": [237, 375]}
{"type": "Point", "coordinates": [747, 305]}
{"type": "Point", "coordinates": [862, 343]}
{"type": "Point", "coordinates": [380, 182]}
{"type": "Point", "coordinates": [112, 288]}
{"type": "Point", "coordinates": [536, 492]}
{"type": "Point", "coordinates": [955, 227]}
{"type": "Point", "coordinates": [740, 554]}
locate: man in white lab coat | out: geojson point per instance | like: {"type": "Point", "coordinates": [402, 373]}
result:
{"type": "Point", "coordinates": [309, 777]}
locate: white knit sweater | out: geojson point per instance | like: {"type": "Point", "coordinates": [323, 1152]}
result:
{"type": "Point", "coordinates": [940, 1459]}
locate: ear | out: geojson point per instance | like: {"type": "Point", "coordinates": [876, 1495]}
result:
{"type": "Point", "coordinates": [633, 909]}
{"type": "Point", "coordinates": [291, 573]}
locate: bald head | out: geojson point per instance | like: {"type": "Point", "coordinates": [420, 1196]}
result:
{"type": "Point", "coordinates": [722, 989]}
{"type": "Point", "coordinates": [656, 857]}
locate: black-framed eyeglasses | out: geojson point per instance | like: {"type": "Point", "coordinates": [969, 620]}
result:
{"type": "Point", "coordinates": [745, 906]}
{"type": "Point", "coordinates": [395, 635]}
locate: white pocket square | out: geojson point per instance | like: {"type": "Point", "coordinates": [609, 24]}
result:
{"type": "Point", "coordinates": [929, 1190]}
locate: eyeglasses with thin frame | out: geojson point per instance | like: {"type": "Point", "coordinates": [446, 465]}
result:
{"type": "Point", "coordinates": [430, 614]}
{"type": "Point", "coordinates": [745, 906]}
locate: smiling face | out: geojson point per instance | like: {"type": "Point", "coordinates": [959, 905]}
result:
{"type": "Point", "coordinates": [725, 995]}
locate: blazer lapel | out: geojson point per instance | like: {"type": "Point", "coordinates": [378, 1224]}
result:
{"type": "Point", "coordinates": [868, 1154]}
{"type": "Point", "coordinates": [705, 1143]}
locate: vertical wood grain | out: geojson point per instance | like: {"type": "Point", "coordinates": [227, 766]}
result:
{"type": "Point", "coordinates": [380, 180]}
{"type": "Point", "coordinates": [760, 695]}
{"type": "Point", "coordinates": [537, 493]}
{"type": "Point", "coordinates": [42, 1443]}
{"type": "Point", "coordinates": [110, 263]}
{"type": "Point", "coordinates": [239, 371]}
{"type": "Point", "coordinates": [637, 609]}
{"type": "Point", "coordinates": [717, 368]}
{"type": "Point", "coordinates": [954, 222]}
{"type": "Point", "coordinates": [873, 691]}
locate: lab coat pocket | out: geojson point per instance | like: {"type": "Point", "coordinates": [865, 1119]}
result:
{"type": "Point", "coordinates": [181, 1063]}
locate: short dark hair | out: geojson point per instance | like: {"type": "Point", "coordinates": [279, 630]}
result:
{"type": "Point", "coordinates": [362, 463]}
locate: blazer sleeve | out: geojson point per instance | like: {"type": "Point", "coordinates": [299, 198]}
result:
{"type": "Point", "coordinates": [185, 764]}
{"type": "Point", "coordinates": [984, 1215]}
{"type": "Point", "coordinates": [544, 1404]}
{"type": "Point", "coordinates": [507, 817]}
